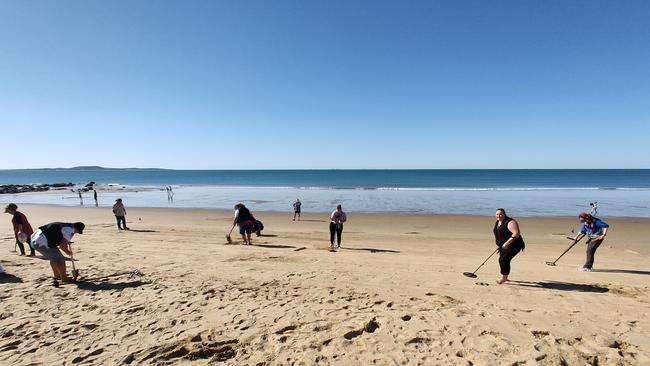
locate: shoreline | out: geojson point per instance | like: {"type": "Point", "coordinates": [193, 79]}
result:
{"type": "Point", "coordinates": [326, 213]}
{"type": "Point", "coordinates": [621, 204]}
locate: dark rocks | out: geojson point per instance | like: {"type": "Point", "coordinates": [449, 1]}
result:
{"type": "Point", "coordinates": [23, 188]}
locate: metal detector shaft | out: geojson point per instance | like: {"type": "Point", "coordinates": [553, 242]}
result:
{"type": "Point", "coordinates": [567, 249]}
{"type": "Point", "coordinates": [75, 272]}
{"type": "Point", "coordinates": [488, 258]}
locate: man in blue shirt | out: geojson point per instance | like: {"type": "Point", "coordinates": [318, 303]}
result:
{"type": "Point", "coordinates": [596, 229]}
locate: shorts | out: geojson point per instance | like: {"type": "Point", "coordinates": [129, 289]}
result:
{"type": "Point", "coordinates": [246, 227]}
{"type": "Point", "coordinates": [53, 254]}
{"type": "Point", "coordinates": [39, 242]}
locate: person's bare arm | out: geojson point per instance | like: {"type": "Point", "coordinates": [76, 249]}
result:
{"type": "Point", "coordinates": [65, 246]}
{"type": "Point", "coordinates": [513, 226]}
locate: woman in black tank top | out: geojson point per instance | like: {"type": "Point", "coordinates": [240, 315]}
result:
{"type": "Point", "coordinates": [508, 239]}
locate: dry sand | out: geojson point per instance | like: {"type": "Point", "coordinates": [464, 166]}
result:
{"type": "Point", "coordinates": [393, 295]}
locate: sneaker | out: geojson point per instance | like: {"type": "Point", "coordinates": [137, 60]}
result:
{"type": "Point", "coordinates": [584, 269]}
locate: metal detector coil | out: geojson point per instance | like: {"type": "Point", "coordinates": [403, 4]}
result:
{"type": "Point", "coordinates": [473, 274]}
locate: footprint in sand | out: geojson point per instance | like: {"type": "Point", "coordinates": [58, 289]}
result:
{"type": "Point", "coordinates": [199, 347]}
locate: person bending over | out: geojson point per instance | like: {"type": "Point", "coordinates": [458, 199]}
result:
{"type": "Point", "coordinates": [246, 222]}
{"type": "Point", "coordinates": [22, 228]}
{"type": "Point", "coordinates": [49, 238]}
{"type": "Point", "coordinates": [596, 229]}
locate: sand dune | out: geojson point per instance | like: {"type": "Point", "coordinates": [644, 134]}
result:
{"type": "Point", "coordinates": [394, 294]}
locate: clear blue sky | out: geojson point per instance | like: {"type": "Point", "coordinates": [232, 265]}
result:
{"type": "Point", "coordinates": [325, 84]}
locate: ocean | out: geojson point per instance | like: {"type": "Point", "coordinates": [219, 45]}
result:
{"type": "Point", "coordinates": [619, 192]}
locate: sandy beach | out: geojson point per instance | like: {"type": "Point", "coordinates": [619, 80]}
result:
{"type": "Point", "coordinates": [394, 294]}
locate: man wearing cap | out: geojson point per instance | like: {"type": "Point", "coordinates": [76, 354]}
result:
{"type": "Point", "coordinates": [21, 226]}
{"type": "Point", "coordinates": [120, 213]}
{"type": "Point", "coordinates": [596, 229]}
{"type": "Point", "coordinates": [49, 238]}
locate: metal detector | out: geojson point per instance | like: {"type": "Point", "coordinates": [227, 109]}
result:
{"type": "Point", "coordinates": [473, 274]}
{"type": "Point", "coordinates": [228, 239]}
{"type": "Point", "coordinates": [565, 252]}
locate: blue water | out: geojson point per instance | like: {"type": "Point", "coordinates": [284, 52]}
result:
{"type": "Point", "coordinates": [622, 193]}
{"type": "Point", "coordinates": [345, 179]}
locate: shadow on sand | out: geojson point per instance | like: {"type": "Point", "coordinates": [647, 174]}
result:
{"type": "Point", "coordinates": [9, 278]}
{"type": "Point", "coordinates": [626, 271]}
{"type": "Point", "coordinates": [142, 231]}
{"type": "Point", "coordinates": [560, 286]}
{"type": "Point", "coordinates": [267, 236]}
{"type": "Point", "coordinates": [314, 220]}
{"type": "Point", "coordinates": [371, 250]}
{"type": "Point", "coordinates": [274, 246]}
{"type": "Point", "coordinates": [103, 286]}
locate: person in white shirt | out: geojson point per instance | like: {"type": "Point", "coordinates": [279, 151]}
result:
{"type": "Point", "coordinates": [49, 238]}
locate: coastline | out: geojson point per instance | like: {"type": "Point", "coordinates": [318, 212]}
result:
{"type": "Point", "coordinates": [631, 204]}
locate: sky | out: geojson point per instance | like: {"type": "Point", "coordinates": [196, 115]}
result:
{"type": "Point", "coordinates": [298, 84]}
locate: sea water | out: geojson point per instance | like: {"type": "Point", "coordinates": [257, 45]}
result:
{"type": "Point", "coordinates": [619, 192]}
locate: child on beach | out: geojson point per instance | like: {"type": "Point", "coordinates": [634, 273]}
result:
{"type": "Point", "coordinates": [296, 209]}
{"type": "Point", "coordinates": [258, 227]}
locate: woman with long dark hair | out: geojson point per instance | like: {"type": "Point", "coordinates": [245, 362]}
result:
{"type": "Point", "coordinates": [508, 238]}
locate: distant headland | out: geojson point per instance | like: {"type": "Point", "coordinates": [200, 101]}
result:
{"type": "Point", "coordinates": [91, 167]}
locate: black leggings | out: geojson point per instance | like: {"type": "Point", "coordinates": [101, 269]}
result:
{"type": "Point", "coordinates": [22, 247]}
{"type": "Point", "coordinates": [505, 256]}
{"type": "Point", "coordinates": [121, 219]}
{"type": "Point", "coordinates": [338, 230]}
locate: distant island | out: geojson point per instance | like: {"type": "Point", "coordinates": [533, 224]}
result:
{"type": "Point", "coordinates": [92, 167]}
